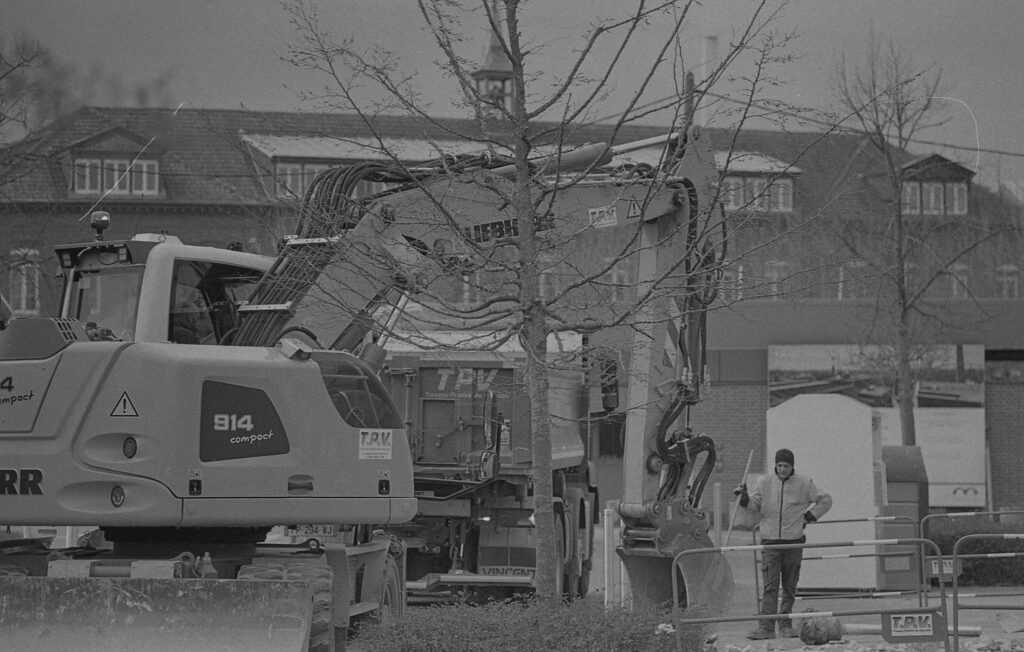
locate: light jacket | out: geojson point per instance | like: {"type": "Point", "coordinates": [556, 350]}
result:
{"type": "Point", "coordinates": [782, 504]}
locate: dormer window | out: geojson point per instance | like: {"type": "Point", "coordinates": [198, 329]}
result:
{"type": "Point", "coordinates": [934, 185]}
{"type": "Point", "coordinates": [116, 176]}
{"type": "Point", "coordinates": [295, 178]}
{"type": "Point", "coordinates": [934, 198]}
{"type": "Point", "coordinates": [756, 193]}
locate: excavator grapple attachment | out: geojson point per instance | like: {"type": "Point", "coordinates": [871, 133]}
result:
{"type": "Point", "coordinates": [153, 615]}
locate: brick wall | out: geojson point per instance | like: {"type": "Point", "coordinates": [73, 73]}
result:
{"type": "Point", "coordinates": [1004, 422]}
{"type": "Point", "coordinates": [734, 416]}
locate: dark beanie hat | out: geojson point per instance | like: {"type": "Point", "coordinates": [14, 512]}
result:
{"type": "Point", "coordinates": [784, 455]}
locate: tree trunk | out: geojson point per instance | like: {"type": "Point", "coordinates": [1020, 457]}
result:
{"type": "Point", "coordinates": [544, 515]}
{"type": "Point", "coordinates": [905, 388]}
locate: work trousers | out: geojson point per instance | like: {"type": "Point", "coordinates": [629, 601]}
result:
{"type": "Point", "coordinates": [779, 566]}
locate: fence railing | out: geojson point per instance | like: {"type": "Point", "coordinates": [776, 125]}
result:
{"type": "Point", "coordinates": [926, 624]}
{"type": "Point", "coordinates": [957, 606]}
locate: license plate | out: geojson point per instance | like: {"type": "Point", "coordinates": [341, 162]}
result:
{"type": "Point", "coordinates": [314, 530]}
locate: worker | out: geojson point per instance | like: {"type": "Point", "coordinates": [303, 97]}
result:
{"type": "Point", "coordinates": [787, 502]}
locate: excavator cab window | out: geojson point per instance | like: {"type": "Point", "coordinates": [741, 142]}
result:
{"type": "Point", "coordinates": [106, 301]}
{"type": "Point", "coordinates": [204, 301]}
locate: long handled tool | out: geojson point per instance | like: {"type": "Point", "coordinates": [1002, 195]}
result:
{"type": "Point", "coordinates": [736, 505]}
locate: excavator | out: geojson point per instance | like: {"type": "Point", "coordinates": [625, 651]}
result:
{"type": "Point", "coordinates": [190, 401]}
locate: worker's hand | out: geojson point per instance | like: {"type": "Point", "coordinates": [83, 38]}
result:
{"type": "Point", "coordinates": [809, 517]}
{"type": "Point", "coordinates": [741, 491]}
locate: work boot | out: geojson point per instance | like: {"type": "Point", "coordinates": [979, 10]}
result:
{"type": "Point", "coordinates": [761, 633]}
{"type": "Point", "coordinates": [787, 631]}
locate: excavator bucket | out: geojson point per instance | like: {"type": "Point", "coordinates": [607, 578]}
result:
{"type": "Point", "coordinates": [708, 581]}
{"type": "Point", "coordinates": [706, 578]}
{"type": "Point", "coordinates": [153, 615]}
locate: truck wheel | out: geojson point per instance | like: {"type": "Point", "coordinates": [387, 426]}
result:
{"type": "Point", "coordinates": [585, 579]}
{"type": "Point", "coordinates": [571, 581]}
{"type": "Point", "coordinates": [560, 584]}
{"type": "Point", "coordinates": [392, 603]}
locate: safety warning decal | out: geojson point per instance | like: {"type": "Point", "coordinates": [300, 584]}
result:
{"type": "Point", "coordinates": [124, 407]}
{"type": "Point", "coordinates": [633, 211]}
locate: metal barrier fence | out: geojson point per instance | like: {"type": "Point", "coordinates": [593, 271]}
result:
{"type": "Point", "coordinates": [920, 591]}
{"type": "Point", "coordinates": [908, 625]}
{"type": "Point", "coordinates": [956, 557]}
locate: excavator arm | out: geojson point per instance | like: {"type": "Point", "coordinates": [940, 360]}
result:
{"type": "Point", "coordinates": [356, 255]}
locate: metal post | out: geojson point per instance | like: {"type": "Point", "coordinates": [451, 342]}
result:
{"type": "Point", "coordinates": [612, 586]}
{"type": "Point", "coordinates": [717, 502]}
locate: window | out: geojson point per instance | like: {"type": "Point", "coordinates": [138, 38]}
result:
{"type": "Point", "coordinates": [959, 281]}
{"type": "Point", "coordinates": [732, 193]}
{"type": "Point", "coordinates": [956, 198]}
{"type": "Point", "coordinates": [851, 280]}
{"type": "Point", "coordinates": [774, 276]}
{"type": "Point", "coordinates": [289, 180]}
{"type": "Point", "coordinates": [732, 282]}
{"type": "Point", "coordinates": [757, 194]}
{"type": "Point", "coordinates": [471, 290]}
{"type": "Point", "coordinates": [911, 198]}
{"type": "Point", "coordinates": [144, 178]}
{"type": "Point", "coordinates": [309, 173]}
{"type": "Point", "coordinates": [1008, 281]}
{"type": "Point", "coordinates": [88, 173]}
{"type": "Point", "coordinates": [781, 196]}
{"type": "Point", "coordinates": [932, 196]}
{"type": "Point", "coordinates": [23, 282]}
{"type": "Point", "coordinates": [116, 176]}
{"type": "Point", "coordinates": [203, 309]}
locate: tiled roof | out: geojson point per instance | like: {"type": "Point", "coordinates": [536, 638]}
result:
{"type": "Point", "coordinates": [210, 156]}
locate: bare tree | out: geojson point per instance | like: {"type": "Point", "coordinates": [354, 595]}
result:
{"type": "Point", "coordinates": [905, 255]}
{"type": "Point", "coordinates": [525, 278]}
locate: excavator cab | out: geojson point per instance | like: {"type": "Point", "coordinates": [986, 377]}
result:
{"type": "Point", "coordinates": [153, 288]}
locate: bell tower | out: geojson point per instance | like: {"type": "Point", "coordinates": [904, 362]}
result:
{"type": "Point", "coordinates": [494, 78]}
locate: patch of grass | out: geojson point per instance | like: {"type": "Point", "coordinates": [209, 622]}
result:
{"type": "Point", "coordinates": [526, 625]}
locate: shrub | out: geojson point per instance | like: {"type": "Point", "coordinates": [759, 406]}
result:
{"type": "Point", "coordinates": [526, 625]}
{"type": "Point", "coordinates": [981, 572]}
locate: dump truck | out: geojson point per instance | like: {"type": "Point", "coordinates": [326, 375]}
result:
{"type": "Point", "coordinates": [468, 420]}
{"type": "Point", "coordinates": [228, 422]}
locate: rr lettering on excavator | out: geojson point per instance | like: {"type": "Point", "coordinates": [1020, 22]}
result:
{"type": "Point", "coordinates": [21, 482]}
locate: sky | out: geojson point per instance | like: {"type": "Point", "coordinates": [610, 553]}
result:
{"type": "Point", "coordinates": [230, 53]}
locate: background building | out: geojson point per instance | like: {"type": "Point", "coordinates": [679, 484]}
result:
{"type": "Point", "coordinates": [217, 177]}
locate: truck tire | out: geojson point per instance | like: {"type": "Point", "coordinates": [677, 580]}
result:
{"type": "Point", "coordinates": [560, 565]}
{"type": "Point", "coordinates": [584, 586]}
{"type": "Point", "coordinates": [392, 604]}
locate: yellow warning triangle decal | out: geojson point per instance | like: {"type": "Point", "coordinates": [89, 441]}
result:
{"type": "Point", "coordinates": [124, 407]}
